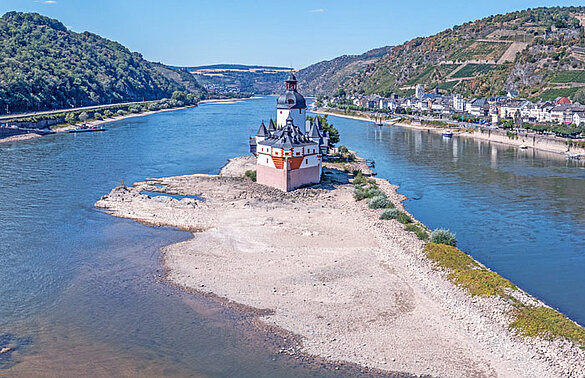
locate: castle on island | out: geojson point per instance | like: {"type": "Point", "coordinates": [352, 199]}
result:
{"type": "Point", "coordinates": [290, 153]}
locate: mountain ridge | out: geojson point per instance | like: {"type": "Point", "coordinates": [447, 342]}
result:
{"type": "Point", "coordinates": [522, 51]}
{"type": "Point", "coordinates": [43, 65]}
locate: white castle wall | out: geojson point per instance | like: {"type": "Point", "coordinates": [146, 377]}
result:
{"type": "Point", "coordinates": [299, 117]}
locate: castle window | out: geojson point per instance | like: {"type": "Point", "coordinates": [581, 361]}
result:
{"type": "Point", "coordinates": [306, 161]}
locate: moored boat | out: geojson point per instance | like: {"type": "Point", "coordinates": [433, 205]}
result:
{"type": "Point", "coordinates": [447, 133]}
{"type": "Point", "coordinates": [87, 129]}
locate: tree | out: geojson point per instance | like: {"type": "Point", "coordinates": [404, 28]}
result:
{"type": "Point", "coordinates": [331, 130]}
{"type": "Point", "coordinates": [70, 118]}
{"type": "Point", "coordinates": [83, 117]}
{"type": "Point", "coordinates": [579, 96]}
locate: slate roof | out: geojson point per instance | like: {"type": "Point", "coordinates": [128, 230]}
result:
{"type": "Point", "coordinates": [271, 126]}
{"type": "Point", "coordinates": [262, 132]}
{"type": "Point", "coordinates": [291, 99]}
{"type": "Point", "coordinates": [287, 137]}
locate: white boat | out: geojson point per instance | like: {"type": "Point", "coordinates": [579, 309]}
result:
{"type": "Point", "coordinates": [447, 133]}
{"type": "Point", "coordinates": [523, 147]}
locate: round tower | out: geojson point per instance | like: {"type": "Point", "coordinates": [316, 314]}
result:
{"type": "Point", "coordinates": [291, 103]}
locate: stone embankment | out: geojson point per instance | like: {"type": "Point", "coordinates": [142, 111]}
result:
{"type": "Point", "coordinates": [324, 267]}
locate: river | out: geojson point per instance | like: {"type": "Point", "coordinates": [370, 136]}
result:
{"type": "Point", "coordinates": [82, 292]}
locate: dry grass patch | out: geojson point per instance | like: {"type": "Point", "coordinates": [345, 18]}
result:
{"type": "Point", "coordinates": [466, 272]}
{"type": "Point", "coordinates": [547, 323]}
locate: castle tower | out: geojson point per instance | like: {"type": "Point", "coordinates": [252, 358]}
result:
{"type": "Point", "coordinates": [291, 103]}
{"type": "Point", "coordinates": [288, 158]}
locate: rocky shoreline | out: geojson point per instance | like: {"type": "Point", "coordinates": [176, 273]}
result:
{"type": "Point", "coordinates": [349, 286]}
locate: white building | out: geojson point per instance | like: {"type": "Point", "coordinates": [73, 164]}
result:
{"type": "Point", "coordinates": [419, 92]}
{"type": "Point", "coordinates": [293, 104]}
{"type": "Point", "coordinates": [458, 103]}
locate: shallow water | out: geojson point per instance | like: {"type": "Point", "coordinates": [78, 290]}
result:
{"type": "Point", "coordinates": [82, 292]}
{"type": "Point", "coordinates": [521, 213]}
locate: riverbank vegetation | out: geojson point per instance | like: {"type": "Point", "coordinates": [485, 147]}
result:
{"type": "Point", "coordinates": [64, 118]}
{"type": "Point", "coordinates": [463, 271]}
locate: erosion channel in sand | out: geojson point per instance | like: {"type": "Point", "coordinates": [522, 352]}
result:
{"type": "Point", "coordinates": [325, 267]}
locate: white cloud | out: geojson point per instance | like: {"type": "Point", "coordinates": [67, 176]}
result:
{"type": "Point", "coordinates": [50, 2]}
{"type": "Point", "coordinates": [320, 10]}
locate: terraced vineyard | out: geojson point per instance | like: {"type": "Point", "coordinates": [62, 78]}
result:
{"type": "Point", "coordinates": [576, 76]}
{"type": "Point", "coordinates": [551, 94]}
{"type": "Point", "coordinates": [433, 73]}
{"type": "Point", "coordinates": [481, 50]}
{"type": "Point", "coordinates": [473, 70]}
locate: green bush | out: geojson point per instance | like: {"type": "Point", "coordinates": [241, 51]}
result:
{"type": "Point", "coordinates": [361, 192]}
{"type": "Point", "coordinates": [343, 149]}
{"type": "Point", "coordinates": [418, 230]}
{"type": "Point", "coordinates": [403, 218]}
{"type": "Point", "coordinates": [251, 174]}
{"type": "Point", "coordinates": [442, 236]}
{"type": "Point", "coordinates": [378, 202]}
{"type": "Point", "coordinates": [390, 214]}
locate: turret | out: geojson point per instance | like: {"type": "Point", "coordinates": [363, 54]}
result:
{"type": "Point", "coordinates": [291, 103]}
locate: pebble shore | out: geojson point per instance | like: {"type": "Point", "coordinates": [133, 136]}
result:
{"type": "Point", "coordinates": [350, 286]}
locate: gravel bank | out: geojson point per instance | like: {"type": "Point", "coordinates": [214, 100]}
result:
{"type": "Point", "coordinates": [324, 267]}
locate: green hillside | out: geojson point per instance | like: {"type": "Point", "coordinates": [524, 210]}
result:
{"type": "Point", "coordinates": [534, 51]}
{"type": "Point", "coordinates": [45, 66]}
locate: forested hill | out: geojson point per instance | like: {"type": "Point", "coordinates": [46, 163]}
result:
{"type": "Point", "coordinates": [45, 66]}
{"type": "Point", "coordinates": [539, 52]}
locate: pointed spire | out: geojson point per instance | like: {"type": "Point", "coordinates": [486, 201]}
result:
{"type": "Point", "coordinates": [262, 132]}
{"type": "Point", "coordinates": [317, 124]}
{"type": "Point", "coordinates": [289, 119]}
{"type": "Point", "coordinates": [271, 126]}
{"type": "Point", "coordinates": [315, 132]}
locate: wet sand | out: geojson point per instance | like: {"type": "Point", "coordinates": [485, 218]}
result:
{"type": "Point", "coordinates": [318, 264]}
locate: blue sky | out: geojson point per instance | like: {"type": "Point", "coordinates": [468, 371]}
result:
{"type": "Point", "coordinates": [264, 32]}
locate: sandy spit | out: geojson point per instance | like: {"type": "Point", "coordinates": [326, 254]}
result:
{"type": "Point", "coordinates": [353, 288]}
{"type": "Point", "coordinates": [18, 138]}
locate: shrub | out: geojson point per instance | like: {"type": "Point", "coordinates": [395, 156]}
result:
{"type": "Point", "coordinates": [442, 236]}
{"type": "Point", "coordinates": [343, 150]}
{"type": "Point", "coordinates": [419, 231]}
{"type": "Point", "coordinates": [362, 191]}
{"type": "Point", "coordinates": [390, 214]}
{"type": "Point", "coordinates": [378, 202]}
{"type": "Point", "coordinates": [403, 218]}
{"type": "Point", "coordinates": [360, 179]}
{"type": "Point", "coordinates": [251, 174]}
{"type": "Point", "coordinates": [70, 118]}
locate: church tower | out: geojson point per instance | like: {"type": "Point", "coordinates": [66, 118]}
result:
{"type": "Point", "coordinates": [291, 103]}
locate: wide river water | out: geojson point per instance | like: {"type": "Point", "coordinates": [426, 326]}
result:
{"type": "Point", "coordinates": [82, 293]}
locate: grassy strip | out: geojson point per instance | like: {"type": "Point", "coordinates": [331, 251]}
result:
{"type": "Point", "coordinates": [466, 272]}
{"type": "Point", "coordinates": [547, 323]}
